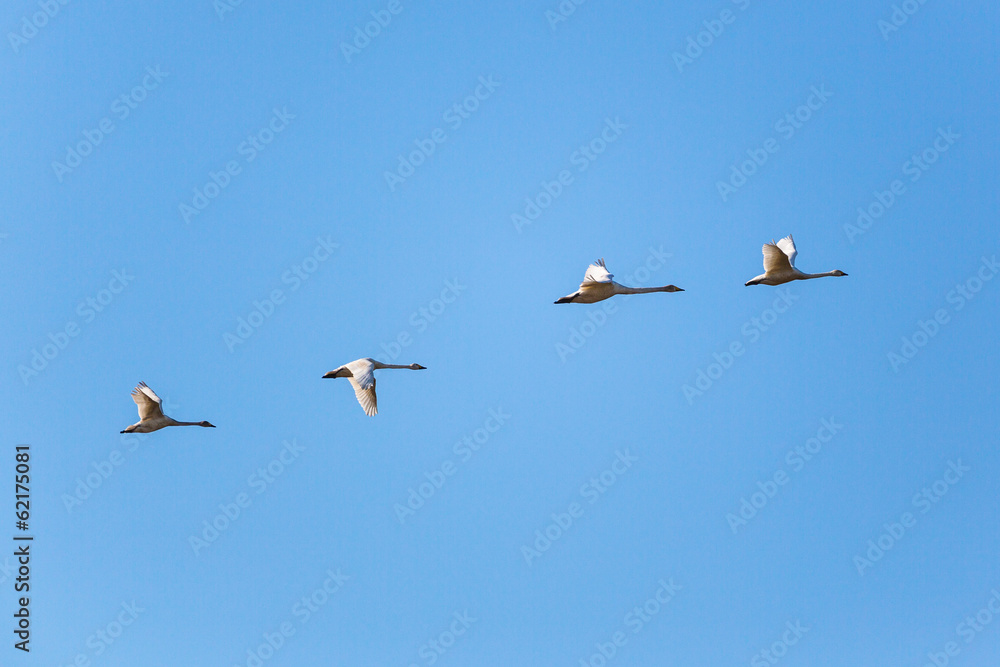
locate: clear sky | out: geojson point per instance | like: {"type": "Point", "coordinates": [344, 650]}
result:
{"type": "Point", "coordinates": [226, 201]}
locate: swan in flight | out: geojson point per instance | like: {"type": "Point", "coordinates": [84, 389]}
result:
{"type": "Point", "coordinates": [779, 265]}
{"type": "Point", "coordinates": [361, 373]}
{"type": "Point", "coordinates": [151, 417]}
{"type": "Point", "coordinates": [598, 285]}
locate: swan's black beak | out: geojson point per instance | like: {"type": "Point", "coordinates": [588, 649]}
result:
{"type": "Point", "coordinates": [421, 368]}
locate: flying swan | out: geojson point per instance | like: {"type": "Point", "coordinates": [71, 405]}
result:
{"type": "Point", "coordinates": [151, 417]}
{"type": "Point", "coordinates": [779, 265]}
{"type": "Point", "coordinates": [598, 285]}
{"type": "Point", "coordinates": [361, 373]}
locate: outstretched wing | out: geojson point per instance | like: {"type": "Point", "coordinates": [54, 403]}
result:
{"type": "Point", "coordinates": [148, 402]}
{"type": "Point", "coordinates": [366, 396]}
{"type": "Point", "coordinates": [597, 273]}
{"type": "Point", "coordinates": [775, 261]}
{"type": "Point", "coordinates": [787, 246]}
{"type": "Point", "coordinates": [363, 381]}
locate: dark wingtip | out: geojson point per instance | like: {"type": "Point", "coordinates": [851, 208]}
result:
{"type": "Point", "coordinates": [121, 431]}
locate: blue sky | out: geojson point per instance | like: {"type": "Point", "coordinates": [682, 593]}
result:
{"type": "Point", "coordinates": [689, 478]}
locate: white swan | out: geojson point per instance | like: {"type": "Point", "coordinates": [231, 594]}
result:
{"type": "Point", "coordinates": [779, 265]}
{"type": "Point", "coordinates": [598, 285]}
{"type": "Point", "coordinates": [151, 417]}
{"type": "Point", "coordinates": [361, 373]}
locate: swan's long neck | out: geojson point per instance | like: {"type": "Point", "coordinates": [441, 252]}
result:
{"type": "Point", "coordinates": [177, 423]}
{"type": "Point", "coordinates": [810, 276]}
{"type": "Point", "coordinates": [621, 289]}
{"type": "Point", "coordinates": [380, 366]}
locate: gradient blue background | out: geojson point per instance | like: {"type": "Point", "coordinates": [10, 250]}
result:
{"type": "Point", "coordinates": [495, 346]}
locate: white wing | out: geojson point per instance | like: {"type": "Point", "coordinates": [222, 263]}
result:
{"type": "Point", "coordinates": [148, 402]}
{"type": "Point", "coordinates": [366, 397]}
{"type": "Point", "coordinates": [363, 381]}
{"type": "Point", "coordinates": [597, 273]}
{"type": "Point", "coordinates": [787, 246]}
{"type": "Point", "coordinates": [775, 261]}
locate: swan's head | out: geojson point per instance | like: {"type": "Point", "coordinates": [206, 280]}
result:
{"type": "Point", "coordinates": [206, 424]}
{"type": "Point", "coordinates": [672, 288]}
{"type": "Point", "coordinates": [839, 274]}
{"type": "Point", "coordinates": [417, 367]}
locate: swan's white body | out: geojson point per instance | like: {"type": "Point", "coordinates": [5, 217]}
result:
{"type": "Point", "coordinates": [151, 417]}
{"type": "Point", "coordinates": [598, 285]}
{"type": "Point", "coordinates": [361, 373]}
{"type": "Point", "coordinates": [779, 265]}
